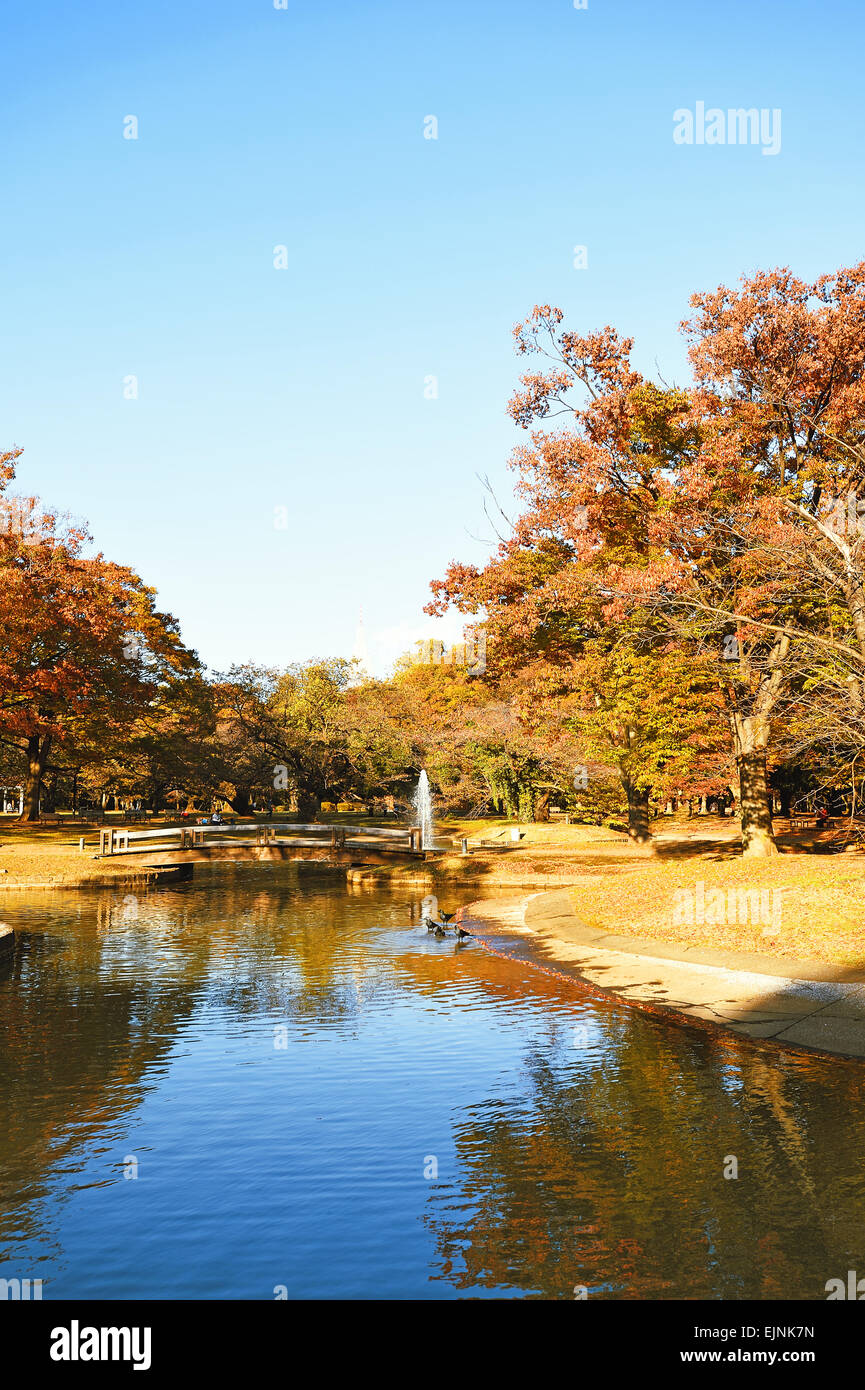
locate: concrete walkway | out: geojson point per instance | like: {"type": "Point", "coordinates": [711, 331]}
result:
{"type": "Point", "coordinates": [809, 1005]}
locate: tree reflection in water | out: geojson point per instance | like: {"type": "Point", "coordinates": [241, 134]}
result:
{"type": "Point", "coordinates": [609, 1173]}
{"type": "Point", "coordinates": [149, 1018]}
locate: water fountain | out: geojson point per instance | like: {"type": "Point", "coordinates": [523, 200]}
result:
{"type": "Point", "coordinates": [422, 802]}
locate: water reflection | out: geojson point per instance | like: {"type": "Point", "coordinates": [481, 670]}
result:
{"type": "Point", "coordinates": [611, 1176]}
{"type": "Point", "coordinates": [283, 1057]}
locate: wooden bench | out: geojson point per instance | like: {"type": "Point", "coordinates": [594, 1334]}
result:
{"type": "Point", "coordinates": [803, 822]}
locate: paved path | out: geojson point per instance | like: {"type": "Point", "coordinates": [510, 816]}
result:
{"type": "Point", "coordinates": [809, 1005]}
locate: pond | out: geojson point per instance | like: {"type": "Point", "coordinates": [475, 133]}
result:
{"type": "Point", "coordinates": [257, 1084]}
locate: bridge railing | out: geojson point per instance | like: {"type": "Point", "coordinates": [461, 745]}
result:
{"type": "Point", "coordinates": [123, 840]}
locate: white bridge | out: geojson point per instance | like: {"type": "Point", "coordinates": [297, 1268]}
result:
{"type": "Point", "coordinates": [341, 844]}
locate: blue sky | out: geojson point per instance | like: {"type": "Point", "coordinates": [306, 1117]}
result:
{"type": "Point", "coordinates": [303, 387]}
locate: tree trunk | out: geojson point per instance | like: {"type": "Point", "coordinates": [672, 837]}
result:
{"type": "Point", "coordinates": [638, 812]}
{"type": "Point", "coordinates": [37, 758]}
{"type": "Point", "coordinates": [240, 802]}
{"type": "Point", "coordinates": [542, 807]}
{"type": "Point", "coordinates": [49, 793]}
{"type": "Point", "coordinates": [755, 801]}
{"type": "Point", "coordinates": [758, 837]}
{"type": "Point", "coordinates": [751, 741]}
{"type": "Point", "coordinates": [308, 805]}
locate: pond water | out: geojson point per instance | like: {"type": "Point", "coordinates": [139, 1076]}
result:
{"type": "Point", "coordinates": [320, 1100]}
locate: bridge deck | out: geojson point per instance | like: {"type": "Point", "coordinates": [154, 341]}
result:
{"type": "Point", "coordinates": [341, 844]}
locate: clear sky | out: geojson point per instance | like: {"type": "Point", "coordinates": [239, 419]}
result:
{"type": "Point", "coordinates": [407, 258]}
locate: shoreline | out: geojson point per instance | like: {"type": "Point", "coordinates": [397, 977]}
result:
{"type": "Point", "coordinates": [373, 876]}
{"type": "Point", "coordinates": [769, 999]}
{"type": "Point", "coordinates": [142, 876]}
{"type": "Point", "coordinates": [63, 868]}
{"type": "Point", "coordinates": [799, 1005]}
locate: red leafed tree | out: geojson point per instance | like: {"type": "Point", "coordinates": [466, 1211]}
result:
{"type": "Point", "coordinates": [656, 516]}
{"type": "Point", "coordinates": [83, 648]}
{"type": "Point", "coordinates": [780, 371]}
{"type": "Point", "coordinates": [565, 596]}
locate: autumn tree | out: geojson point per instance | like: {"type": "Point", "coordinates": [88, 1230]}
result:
{"type": "Point", "coordinates": [700, 516]}
{"type": "Point", "coordinates": [82, 643]}
{"type": "Point", "coordinates": [163, 751]}
{"type": "Point", "coordinates": [585, 551]}
{"type": "Point", "coordinates": [653, 715]}
{"type": "Point", "coordinates": [780, 388]}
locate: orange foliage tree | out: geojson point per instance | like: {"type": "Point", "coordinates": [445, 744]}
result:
{"type": "Point", "coordinates": [722, 524]}
{"type": "Point", "coordinates": [83, 648]}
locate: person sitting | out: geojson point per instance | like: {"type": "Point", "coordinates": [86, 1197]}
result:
{"type": "Point", "coordinates": [216, 818]}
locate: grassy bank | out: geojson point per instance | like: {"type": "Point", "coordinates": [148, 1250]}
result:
{"type": "Point", "coordinates": [810, 907]}
{"type": "Point", "coordinates": [38, 856]}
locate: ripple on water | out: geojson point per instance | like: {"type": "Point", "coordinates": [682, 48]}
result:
{"type": "Point", "coordinates": [316, 1094]}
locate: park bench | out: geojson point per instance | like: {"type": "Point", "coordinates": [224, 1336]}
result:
{"type": "Point", "coordinates": [803, 822]}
